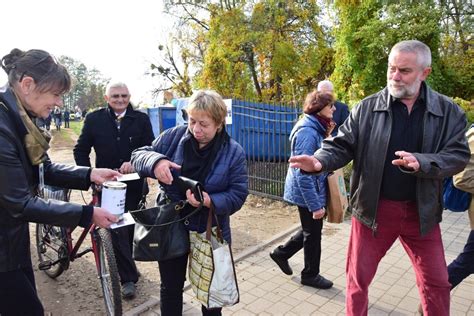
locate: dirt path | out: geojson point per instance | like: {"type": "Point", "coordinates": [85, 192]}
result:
{"type": "Point", "coordinates": [77, 291]}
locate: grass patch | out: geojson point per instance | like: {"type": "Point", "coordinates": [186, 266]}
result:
{"type": "Point", "coordinates": [61, 136]}
{"type": "Point", "coordinates": [76, 127]}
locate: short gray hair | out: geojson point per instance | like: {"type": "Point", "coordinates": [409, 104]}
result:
{"type": "Point", "coordinates": [421, 50]}
{"type": "Point", "coordinates": [114, 84]}
{"type": "Point", "coordinates": [210, 102]}
{"type": "Point", "coordinates": [325, 85]}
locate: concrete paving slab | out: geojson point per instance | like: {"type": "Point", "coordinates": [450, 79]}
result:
{"type": "Point", "coordinates": [265, 290]}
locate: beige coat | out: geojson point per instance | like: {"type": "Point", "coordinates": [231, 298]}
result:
{"type": "Point", "coordinates": [465, 179]}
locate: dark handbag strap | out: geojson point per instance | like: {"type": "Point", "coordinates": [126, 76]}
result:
{"type": "Point", "coordinates": [184, 184]}
{"type": "Point", "coordinates": [179, 206]}
{"type": "Point", "coordinates": [212, 213]}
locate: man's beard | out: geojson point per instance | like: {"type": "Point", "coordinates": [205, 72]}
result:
{"type": "Point", "coordinates": [404, 92]}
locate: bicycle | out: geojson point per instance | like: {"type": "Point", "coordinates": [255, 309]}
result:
{"type": "Point", "coordinates": [56, 250]}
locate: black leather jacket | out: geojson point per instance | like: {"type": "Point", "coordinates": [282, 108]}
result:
{"type": "Point", "coordinates": [18, 183]}
{"type": "Point", "coordinates": [364, 139]}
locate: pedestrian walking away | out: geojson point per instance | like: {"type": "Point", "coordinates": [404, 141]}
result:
{"type": "Point", "coordinates": [57, 117]}
{"type": "Point", "coordinates": [403, 141]}
{"type": "Point", "coordinates": [463, 265]}
{"type": "Point", "coordinates": [66, 118]}
{"type": "Point", "coordinates": [308, 191]}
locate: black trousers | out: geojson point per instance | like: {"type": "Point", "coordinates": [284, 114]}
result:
{"type": "Point", "coordinates": [307, 238]}
{"type": "Point", "coordinates": [463, 265]}
{"type": "Point", "coordinates": [122, 238]}
{"type": "Point", "coordinates": [122, 241]}
{"type": "Point", "coordinates": [173, 276]}
{"type": "Point", "coordinates": [18, 293]}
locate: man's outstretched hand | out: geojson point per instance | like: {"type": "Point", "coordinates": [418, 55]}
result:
{"type": "Point", "coordinates": [306, 163]}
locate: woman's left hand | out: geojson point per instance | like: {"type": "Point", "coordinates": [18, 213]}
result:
{"type": "Point", "coordinates": [194, 202]}
{"type": "Point", "coordinates": [100, 175]}
{"type": "Point", "coordinates": [319, 213]}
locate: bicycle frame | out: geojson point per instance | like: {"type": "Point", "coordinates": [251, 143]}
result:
{"type": "Point", "coordinates": [65, 250]}
{"type": "Point", "coordinates": [73, 249]}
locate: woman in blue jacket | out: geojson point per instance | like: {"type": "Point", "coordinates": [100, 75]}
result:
{"type": "Point", "coordinates": [308, 191]}
{"type": "Point", "coordinates": [202, 151]}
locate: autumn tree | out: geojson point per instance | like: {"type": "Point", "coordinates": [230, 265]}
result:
{"type": "Point", "coordinates": [367, 31]}
{"type": "Point", "coordinates": [457, 48]}
{"type": "Point", "coordinates": [272, 50]}
{"type": "Point", "coordinates": [266, 50]}
{"type": "Point", "coordinates": [88, 86]}
{"type": "Point", "coordinates": [178, 60]}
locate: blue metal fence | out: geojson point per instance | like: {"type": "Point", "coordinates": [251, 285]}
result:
{"type": "Point", "coordinates": [263, 131]}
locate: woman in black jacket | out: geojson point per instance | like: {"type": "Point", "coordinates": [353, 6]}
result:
{"type": "Point", "coordinates": [36, 83]}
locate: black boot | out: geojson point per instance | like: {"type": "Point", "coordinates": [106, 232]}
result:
{"type": "Point", "coordinates": [281, 262]}
{"type": "Point", "coordinates": [318, 282]}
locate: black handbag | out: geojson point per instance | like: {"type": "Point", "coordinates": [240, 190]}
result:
{"type": "Point", "coordinates": [160, 232]}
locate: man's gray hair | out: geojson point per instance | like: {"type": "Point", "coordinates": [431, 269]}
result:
{"type": "Point", "coordinates": [114, 84]}
{"type": "Point", "coordinates": [421, 50]}
{"type": "Point", "coordinates": [325, 85]}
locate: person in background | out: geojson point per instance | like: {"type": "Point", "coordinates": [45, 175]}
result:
{"type": "Point", "coordinates": [308, 191]}
{"type": "Point", "coordinates": [47, 122]}
{"type": "Point", "coordinates": [78, 115]}
{"type": "Point", "coordinates": [342, 110]}
{"type": "Point", "coordinates": [463, 265]}
{"type": "Point", "coordinates": [201, 151]}
{"type": "Point", "coordinates": [403, 140]}
{"type": "Point", "coordinates": [36, 83]}
{"type": "Point", "coordinates": [57, 115]}
{"type": "Point", "coordinates": [66, 118]}
{"type": "Point", "coordinates": [114, 132]}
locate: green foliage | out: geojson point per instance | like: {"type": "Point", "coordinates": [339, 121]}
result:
{"type": "Point", "coordinates": [271, 50]}
{"type": "Point", "coordinates": [468, 107]}
{"type": "Point", "coordinates": [366, 33]}
{"type": "Point", "coordinates": [224, 68]}
{"type": "Point", "coordinates": [88, 87]}
{"type": "Point", "coordinates": [275, 50]}
{"type": "Point", "coordinates": [76, 127]}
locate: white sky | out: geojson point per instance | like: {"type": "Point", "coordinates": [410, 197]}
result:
{"type": "Point", "coordinates": [118, 37]}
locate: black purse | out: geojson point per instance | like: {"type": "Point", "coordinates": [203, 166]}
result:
{"type": "Point", "coordinates": [160, 232]}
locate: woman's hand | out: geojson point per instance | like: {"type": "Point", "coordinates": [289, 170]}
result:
{"type": "Point", "coordinates": [100, 175]}
{"type": "Point", "coordinates": [126, 168]}
{"type": "Point", "coordinates": [192, 200]}
{"type": "Point", "coordinates": [319, 213]}
{"type": "Point", "coordinates": [162, 171]}
{"type": "Point", "coordinates": [102, 218]}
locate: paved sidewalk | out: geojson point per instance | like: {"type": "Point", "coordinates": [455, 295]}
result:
{"type": "Point", "coordinates": [265, 290]}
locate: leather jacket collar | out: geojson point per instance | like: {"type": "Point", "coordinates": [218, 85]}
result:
{"type": "Point", "coordinates": [432, 106]}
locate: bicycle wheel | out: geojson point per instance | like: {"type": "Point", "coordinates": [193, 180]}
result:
{"type": "Point", "coordinates": [51, 245]}
{"type": "Point", "coordinates": [108, 272]}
